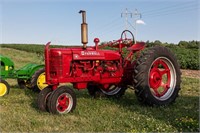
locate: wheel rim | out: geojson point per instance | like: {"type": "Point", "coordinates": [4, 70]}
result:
{"type": "Point", "coordinates": [112, 90]}
{"type": "Point", "coordinates": [3, 89]}
{"type": "Point", "coordinates": [162, 78]}
{"type": "Point", "coordinates": [64, 103]}
{"type": "Point", "coordinates": [41, 81]}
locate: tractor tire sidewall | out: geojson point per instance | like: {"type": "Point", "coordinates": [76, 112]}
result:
{"type": "Point", "coordinates": [21, 83]}
{"type": "Point", "coordinates": [118, 94]}
{"type": "Point", "coordinates": [141, 75]}
{"type": "Point", "coordinates": [34, 79]}
{"type": "Point", "coordinates": [7, 87]}
{"type": "Point", "coordinates": [95, 91]}
{"type": "Point", "coordinates": [43, 98]}
{"type": "Point", "coordinates": [52, 102]}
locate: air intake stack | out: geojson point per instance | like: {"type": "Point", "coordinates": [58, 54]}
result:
{"type": "Point", "coordinates": [84, 29]}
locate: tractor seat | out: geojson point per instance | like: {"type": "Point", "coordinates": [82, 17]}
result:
{"type": "Point", "coordinates": [137, 47]}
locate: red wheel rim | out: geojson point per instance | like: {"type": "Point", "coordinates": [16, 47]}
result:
{"type": "Point", "coordinates": [64, 103]}
{"type": "Point", "coordinates": [162, 78]}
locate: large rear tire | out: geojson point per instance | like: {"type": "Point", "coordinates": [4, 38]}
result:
{"type": "Point", "coordinates": [4, 88]}
{"type": "Point", "coordinates": [157, 77]}
{"type": "Point", "coordinates": [38, 80]}
{"type": "Point", "coordinates": [62, 100]}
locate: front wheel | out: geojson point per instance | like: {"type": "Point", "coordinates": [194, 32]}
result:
{"type": "Point", "coordinates": [4, 88]}
{"type": "Point", "coordinates": [62, 100]}
{"type": "Point", "coordinates": [157, 77]}
{"type": "Point", "coordinates": [43, 98]}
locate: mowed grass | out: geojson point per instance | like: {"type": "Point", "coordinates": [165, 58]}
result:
{"type": "Point", "coordinates": [21, 58]}
{"type": "Point", "coordinates": [19, 112]}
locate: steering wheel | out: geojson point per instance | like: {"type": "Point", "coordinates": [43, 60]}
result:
{"type": "Point", "coordinates": [126, 39]}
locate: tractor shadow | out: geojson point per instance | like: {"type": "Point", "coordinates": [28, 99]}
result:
{"type": "Point", "coordinates": [33, 97]}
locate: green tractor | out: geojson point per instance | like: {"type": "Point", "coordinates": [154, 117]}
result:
{"type": "Point", "coordinates": [30, 76]}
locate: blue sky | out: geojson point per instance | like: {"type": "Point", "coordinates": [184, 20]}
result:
{"type": "Point", "coordinates": [58, 21]}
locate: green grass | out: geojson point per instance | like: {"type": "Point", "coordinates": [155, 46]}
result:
{"type": "Point", "coordinates": [19, 113]}
{"type": "Point", "coordinates": [21, 58]}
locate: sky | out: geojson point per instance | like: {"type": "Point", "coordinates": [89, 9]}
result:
{"type": "Point", "coordinates": [58, 21]}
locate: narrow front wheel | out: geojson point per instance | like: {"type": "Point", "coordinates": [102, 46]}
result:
{"type": "Point", "coordinates": [43, 97]}
{"type": "Point", "coordinates": [62, 100]}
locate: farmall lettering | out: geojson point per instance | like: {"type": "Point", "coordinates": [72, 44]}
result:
{"type": "Point", "coordinates": [89, 53]}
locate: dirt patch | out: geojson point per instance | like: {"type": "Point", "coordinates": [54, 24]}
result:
{"type": "Point", "coordinates": [191, 73]}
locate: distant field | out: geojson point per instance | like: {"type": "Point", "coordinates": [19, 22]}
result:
{"type": "Point", "coordinates": [19, 113]}
{"type": "Point", "coordinates": [188, 57]}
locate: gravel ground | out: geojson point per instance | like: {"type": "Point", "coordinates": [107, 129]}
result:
{"type": "Point", "coordinates": [191, 73]}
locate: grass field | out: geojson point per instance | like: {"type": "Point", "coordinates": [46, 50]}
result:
{"type": "Point", "coordinates": [19, 113]}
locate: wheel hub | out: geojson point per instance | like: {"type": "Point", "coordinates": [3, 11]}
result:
{"type": "Point", "coordinates": [159, 78]}
{"type": "Point", "coordinates": [155, 79]}
{"type": "Point", "coordinates": [63, 103]}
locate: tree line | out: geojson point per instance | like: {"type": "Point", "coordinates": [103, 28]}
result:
{"type": "Point", "coordinates": [187, 52]}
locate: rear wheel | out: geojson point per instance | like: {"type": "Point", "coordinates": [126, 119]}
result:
{"type": "Point", "coordinates": [157, 77]}
{"type": "Point", "coordinates": [114, 91]}
{"type": "Point", "coordinates": [38, 80]}
{"type": "Point", "coordinates": [43, 98]}
{"type": "Point", "coordinates": [111, 91]}
{"type": "Point", "coordinates": [4, 88]}
{"type": "Point", "coordinates": [62, 101]}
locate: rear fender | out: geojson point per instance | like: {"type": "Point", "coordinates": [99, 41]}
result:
{"type": "Point", "coordinates": [28, 70]}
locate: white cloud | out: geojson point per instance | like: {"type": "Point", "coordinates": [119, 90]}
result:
{"type": "Point", "coordinates": [139, 21]}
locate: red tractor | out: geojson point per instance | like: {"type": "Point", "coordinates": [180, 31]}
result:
{"type": "Point", "coordinates": [154, 73]}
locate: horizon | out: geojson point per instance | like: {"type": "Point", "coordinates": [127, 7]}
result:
{"type": "Point", "coordinates": [92, 45]}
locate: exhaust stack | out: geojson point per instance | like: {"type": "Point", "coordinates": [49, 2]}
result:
{"type": "Point", "coordinates": [84, 29]}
